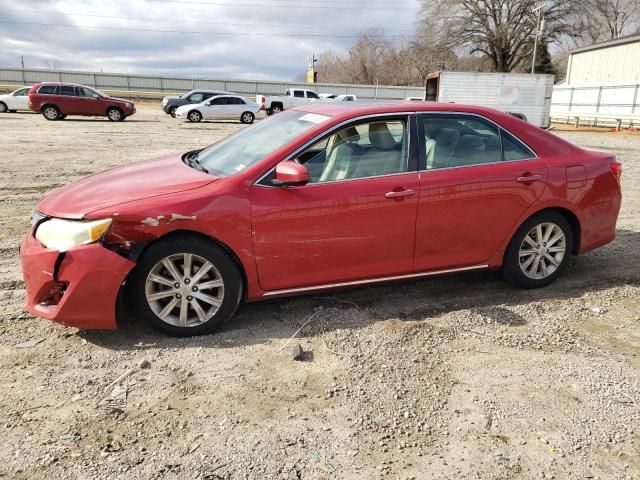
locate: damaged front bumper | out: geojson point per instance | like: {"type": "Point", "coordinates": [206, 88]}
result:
{"type": "Point", "coordinates": [78, 288]}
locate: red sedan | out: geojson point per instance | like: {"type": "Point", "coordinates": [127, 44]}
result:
{"type": "Point", "coordinates": [317, 198]}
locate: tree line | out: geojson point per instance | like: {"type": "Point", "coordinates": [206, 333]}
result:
{"type": "Point", "coordinates": [481, 35]}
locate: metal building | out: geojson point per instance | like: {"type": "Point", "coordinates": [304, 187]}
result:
{"type": "Point", "coordinates": [615, 62]}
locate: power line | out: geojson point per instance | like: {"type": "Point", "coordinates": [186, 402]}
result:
{"type": "Point", "coordinates": [194, 32]}
{"type": "Point", "coordinates": [143, 19]}
{"type": "Point", "coordinates": [214, 4]}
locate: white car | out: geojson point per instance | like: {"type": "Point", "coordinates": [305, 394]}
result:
{"type": "Point", "coordinates": [220, 107]}
{"type": "Point", "coordinates": [346, 98]}
{"type": "Point", "coordinates": [17, 100]}
{"type": "Point", "coordinates": [327, 96]}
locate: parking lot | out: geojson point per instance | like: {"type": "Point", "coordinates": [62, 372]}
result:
{"type": "Point", "coordinates": [460, 377]}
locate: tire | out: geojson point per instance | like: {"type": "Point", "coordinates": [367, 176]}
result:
{"type": "Point", "coordinates": [194, 116]}
{"type": "Point", "coordinates": [276, 108]}
{"type": "Point", "coordinates": [115, 114]}
{"type": "Point", "coordinates": [247, 117]}
{"type": "Point", "coordinates": [530, 263]}
{"type": "Point", "coordinates": [61, 117]}
{"type": "Point", "coordinates": [172, 111]}
{"type": "Point", "coordinates": [269, 112]}
{"type": "Point", "coordinates": [51, 112]}
{"type": "Point", "coordinates": [166, 313]}
{"type": "Point", "coordinates": [3, 107]}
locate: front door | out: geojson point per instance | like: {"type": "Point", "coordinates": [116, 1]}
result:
{"type": "Point", "coordinates": [355, 219]}
{"type": "Point", "coordinates": [89, 101]}
{"type": "Point", "coordinates": [476, 182]}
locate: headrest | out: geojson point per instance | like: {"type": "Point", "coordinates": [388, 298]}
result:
{"type": "Point", "coordinates": [380, 136]}
{"type": "Point", "coordinates": [471, 141]}
{"type": "Point", "coordinates": [448, 137]}
{"type": "Point", "coordinates": [349, 133]}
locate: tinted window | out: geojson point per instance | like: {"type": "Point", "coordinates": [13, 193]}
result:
{"type": "Point", "coordinates": [208, 95]}
{"type": "Point", "coordinates": [364, 150]}
{"type": "Point", "coordinates": [235, 101]}
{"type": "Point", "coordinates": [47, 89]}
{"type": "Point", "coordinates": [514, 149]}
{"type": "Point", "coordinates": [312, 95]}
{"type": "Point", "coordinates": [298, 93]}
{"type": "Point", "coordinates": [218, 101]}
{"type": "Point", "coordinates": [67, 90]}
{"type": "Point", "coordinates": [458, 141]}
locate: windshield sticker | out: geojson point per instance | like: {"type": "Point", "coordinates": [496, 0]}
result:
{"type": "Point", "coordinates": [313, 118]}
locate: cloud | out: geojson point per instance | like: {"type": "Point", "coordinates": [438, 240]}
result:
{"type": "Point", "coordinates": [241, 39]}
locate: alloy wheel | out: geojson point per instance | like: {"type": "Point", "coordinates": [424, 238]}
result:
{"type": "Point", "coordinates": [51, 113]}
{"type": "Point", "coordinates": [184, 290]}
{"type": "Point", "coordinates": [194, 117]}
{"type": "Point", "coordinates": [247, 118]}
{"type": "Point", "coordinates": [3, 107]}
{"type": "Point", "coordinates": [542, 250]}
{"type": "Point", "coordinates": [114, 114]}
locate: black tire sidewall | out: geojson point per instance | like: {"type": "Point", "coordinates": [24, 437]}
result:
{"type": "Point", "coordinates": [6, 109]}
{"type": "Point", "coordinates": [511, 269]}
{"type": "Point", "coordinates": [231, 275]}
{"type": "Point", "coordinates": [199, 116]}
{"type": "Point", "coordinates": [172, 111]}
{"type": "Point", "coordinates": [117, 109]}
{"type": "Point", "coordinates": [247, 113]}
{"type": "Point", "coordinates": [44, 109]}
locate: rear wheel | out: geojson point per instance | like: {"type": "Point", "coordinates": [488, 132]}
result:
{"type": "Point", "coordinates": [3, 107]}
{"type": "Point", "coordinates": [186, 286]}
{"type": "Point", "coordinates": [247, 117]}
{"type": "Point", "coordinates": [539, 251]}
{"type": "Point", "coordinates": [194, 116]}
{"type": "Point", "coordinates": [51, 112]}
{"type": "Point", "coordinates": [276, 108]}
{"type": "Point", "coordinates": [115, 114]}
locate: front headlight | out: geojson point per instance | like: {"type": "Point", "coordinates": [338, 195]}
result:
{"type": "Point", "coordinates": [62, 234]}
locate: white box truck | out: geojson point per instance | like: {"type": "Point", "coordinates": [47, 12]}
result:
{"type": "Point", "coordinates": [516, 93]}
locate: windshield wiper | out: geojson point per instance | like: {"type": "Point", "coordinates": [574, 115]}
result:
{"type": "Point", "coordinates": [191, 159]}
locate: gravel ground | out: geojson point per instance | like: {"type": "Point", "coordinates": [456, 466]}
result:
{"type": "Point", "coordinates": [460, 377]}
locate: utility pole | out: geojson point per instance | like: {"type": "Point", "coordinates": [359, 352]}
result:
{"type": "Point", "coordinates": [537, 33]}
{"type": "Point", "coordinates": [22, 60]}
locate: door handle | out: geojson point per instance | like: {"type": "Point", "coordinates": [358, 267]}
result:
{"type": "Point", "coordinates": [529, 178]}
{"type": "Point", "coordinates": [400, 194]}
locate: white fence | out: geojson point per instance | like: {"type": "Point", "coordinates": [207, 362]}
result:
{"type": "Point", "coordinates": [154, 86]}
{"type": "Point", "coordinates": [610, 104]}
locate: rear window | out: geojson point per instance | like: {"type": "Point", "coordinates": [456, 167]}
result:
{"type": "Point", "coordinates": [47, 89]}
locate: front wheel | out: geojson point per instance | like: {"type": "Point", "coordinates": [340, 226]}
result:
{"type": "Point", "coordinates": [172, 111]}
{"type": "Point", "coordinates": [3, 107]}
{"type": "Point", "coordinates": [115, 114]}
{"type": "Point", "coordinates": [247, 117]}
{"type": "Point", "coordinates": [539, 251]}
{"type": "Point", "coordinates": [194, 116]}
{"type": "Point", "coordinates": [186, 286]}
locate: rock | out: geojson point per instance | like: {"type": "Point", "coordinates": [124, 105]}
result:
{"type": "Point", "coordinates": [298, 353]}
{"type": "Point", "coordinates": [144, 364]}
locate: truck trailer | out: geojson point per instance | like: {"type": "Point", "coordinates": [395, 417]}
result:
{"type": "Point", "coordinates": [521, 94]}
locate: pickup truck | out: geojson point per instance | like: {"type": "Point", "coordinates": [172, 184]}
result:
{"type": "Point", "coordinates": [292, 98]}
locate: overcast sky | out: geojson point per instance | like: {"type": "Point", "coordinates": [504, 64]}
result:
{"type": "Point", "coordinates": [217, 51]}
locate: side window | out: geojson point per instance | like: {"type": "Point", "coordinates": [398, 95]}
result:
{"type": "Point", "coordinates": [196, 97]}
{"type": "Point", "coordinates": [206, 96]}
{"type": "Point", "coordinates": [458, 141]}
{"type": "Point", "coordinates": [217, 101]}
{"type": "Point", "coordinates": [67, 90]}
{"type": "Point", "coordinates": [364, 150]}
{"type": "Point", "coordinates": [240, 101]}
{"type": "Point", "coordinates": [47, 89]}
{"type": "Point", "coordinates": [514, 149]}
{"type": "Point", "coordinates": [312, 95]}
{"type": "Point", "coordinates": [21, 93]}
{"type": "Point", "coordinates": [298, 93]}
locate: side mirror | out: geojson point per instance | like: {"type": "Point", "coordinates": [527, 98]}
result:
{"type": "Point", "coordinates": [290, 173]}
{"type": "Point", "coordinates": [95, 95]}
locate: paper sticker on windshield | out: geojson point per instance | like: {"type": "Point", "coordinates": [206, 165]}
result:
{"type": "Point", "coordinates": [314, 118]}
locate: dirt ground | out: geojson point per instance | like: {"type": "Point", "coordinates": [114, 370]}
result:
{"type": "Point", "coordinates": [460, 377]}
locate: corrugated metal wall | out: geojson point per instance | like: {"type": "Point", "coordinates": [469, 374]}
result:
{"type": "Point", "coordinates": [617, 64]}
{"type": "Point", "coordinates": [165, 85]}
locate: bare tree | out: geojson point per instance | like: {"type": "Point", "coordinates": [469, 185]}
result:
{"type": "Point", "coordinates": [502, 30]}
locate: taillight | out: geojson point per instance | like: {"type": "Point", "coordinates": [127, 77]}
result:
{"type": "Point", "coordinates": [616, 168]}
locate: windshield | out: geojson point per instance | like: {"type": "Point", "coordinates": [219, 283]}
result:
{"type": "Point", "coordinates": [237, 152]}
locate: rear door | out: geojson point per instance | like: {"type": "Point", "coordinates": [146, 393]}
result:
{"type": "Point", "coordinates": [70, 103]}
{"type": "Point", "coordinates": [476, 181]}
{"type": "Point", "coordinates": [214, 108]}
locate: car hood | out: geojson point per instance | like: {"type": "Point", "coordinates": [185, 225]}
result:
{"type": "Point", "coordinates": [125, 184]}
{"type": "Point", "coordinates": [119, 99]}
